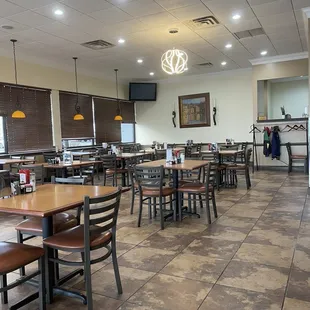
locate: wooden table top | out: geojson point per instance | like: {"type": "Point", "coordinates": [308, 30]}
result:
{"type": "Point", "coordinates": [223, 152]}
{"type": "Point", "coordinates": [50, 199]}
{"type": "Point", "coordinates": [75, 163]}
{"type": "Point", "coordinates": [189, 164]}
{"type": "Point", "coordinates": [9, 161]}
{"type": "Point", "coordinates": [129, 155]}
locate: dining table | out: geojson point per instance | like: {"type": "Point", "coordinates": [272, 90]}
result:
{"type": "Point", "coordinates": [221, 153]}
{"type": "Point", "coordinates": [77, 164]}
{"type": "Point", "coordinates": [187, 165]}
{"type": "Point", "coordinates": [47, 201]}
{"type": "Point", "coordinates": [12, 161]}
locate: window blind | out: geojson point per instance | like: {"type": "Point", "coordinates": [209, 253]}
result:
{"type": "Point", "coordinates": [33, 132]}
{"type": "Point", "coordinates": [69, 127]}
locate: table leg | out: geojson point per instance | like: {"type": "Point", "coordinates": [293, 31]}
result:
{"type": "Point", "coordinates": [47, 225]}
{"type": "Point", "coordinates": [175, 178]}
{"type": "Point", "coordinates": [123, 174]}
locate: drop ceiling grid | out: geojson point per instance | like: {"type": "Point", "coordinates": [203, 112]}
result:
{"type": "Point", "coordinates": [150, 19]}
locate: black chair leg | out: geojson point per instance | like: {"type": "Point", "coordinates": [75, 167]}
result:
{"type": "Point", "coordinates": [88, 284]}
{"type": "Point", "coordinates": [290, 166]}
{"type": "Point", "coordinates": [150, 207]}
{"type": "Point", "coordinates": [214, 204]}
{"type": "Point", "coordinates": [208, 208]}
{"type": "Point", "coordinates": [161, 213]}
{"type": "Point", "coordinates": [132, 199]}
{"type": "Point", "coordinates": [22, 270]}
{"type": "Point", "coordinates": [116, 269]}
{"type": "Point", "coordinates": [56, 266]}
{"type": "Point", "coordinates": [247, 177]}
{"type": "Point", "coordinates": [42, 293]}
{"type": "Point", "coordinates": [3, 284]}
{"type": "Point", "coordinates": [140, 211]}
{"type": "Point", "coordinates": [180, 205]}
{"type": "Point", "coordinates": [200, 201]}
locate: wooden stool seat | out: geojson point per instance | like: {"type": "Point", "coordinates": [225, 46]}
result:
{"type": "Point", "coordinates": [166, 191]}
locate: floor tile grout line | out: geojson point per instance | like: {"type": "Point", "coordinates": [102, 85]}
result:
{"type": "Point", "coordinates": [292, 261]}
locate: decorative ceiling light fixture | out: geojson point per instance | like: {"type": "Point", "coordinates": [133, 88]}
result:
{"type": "Point", "coordinates": [118, 116]}
{"type": "Point", "coordinates": [78, 116]}
{"type": "Point", "coordinates": [18, 113]}
{"type": "Point", "coordinates": [174, 61]}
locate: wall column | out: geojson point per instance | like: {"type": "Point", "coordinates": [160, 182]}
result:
{"type": "Point", "coordinates": [56, 119]}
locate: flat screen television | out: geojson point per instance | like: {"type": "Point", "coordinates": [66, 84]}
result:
{"type": "Point", "coordinates": [142, 91]}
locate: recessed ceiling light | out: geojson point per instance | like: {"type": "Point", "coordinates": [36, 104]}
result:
{"type": "Point", "coordinates": [224, 63]}
{"type": "Point", "coordinates": [121, 41]}
{"type": "Point", "coordinates": [301, 76]}
{"type": "Point", "coordinates": [236, 16]}
{"type": "Point", "coordinates": [228, 45]}
{"type": "Point", "coordinates": [140, 61]}
{"type": "Point", "coordinates": [263, 53]}
{"type": "Point", "coordinates": [152, 73]}
{"type": "Point", "coordinates": [58, 12]}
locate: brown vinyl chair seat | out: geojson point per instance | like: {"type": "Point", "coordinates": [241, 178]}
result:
{"type": "Point", "coordinates": [194, 188]}
{"type": "Point", "coordinates": [61, 221]}
{"type": "Point", "coordinates": [118, 170]}
{"type": "Point", "coordinates": [15, 255]}
{"type": "Point", "coordinates": [150, 192]}
{"type": "Point", "coordinates": [73, 239]}
{"type": "Point", "coordinates": [236, 167]}
{"type": "Point", "coordinates": [299, 156]}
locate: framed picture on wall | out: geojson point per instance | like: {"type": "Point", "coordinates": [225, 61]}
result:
{"type": "Point", "coordinates": [194, 110]}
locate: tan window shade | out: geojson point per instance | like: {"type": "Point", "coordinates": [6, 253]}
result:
{"type": "Point", "coordinates": [128, 112]}
{"type": "Point", "coordinates": [33, 132]}
{"type": "Point", "coordinates": [107, 129]}
{"type": "Point", "coordinates": [69, 127]}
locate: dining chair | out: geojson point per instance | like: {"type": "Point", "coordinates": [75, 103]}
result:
{"type": "Point", "coordinates": [150, 181]}
{"type": "Point", "coordinates": [32, 227]}
{"type": "Point", "coordinates": [200, 192]}
{"type": "Point", "coordinates": [234, 169]}
{"type": "Point", "coordinates": [86, 172]}
{"type": "Point", "coordinates": [14, 256]}
{"type": "Point", "coordinates": [160, 154]}
{"type": "Point", "coordinates": [33, 158]}
{"type": "Point", "coordinates": [292, 157]}
{"type": "Point", "coordinates": [111, 170]}
{"type": "Point", "coordinates": [15, 166]}
{"type": "Point", "coordinates": [97, 232]}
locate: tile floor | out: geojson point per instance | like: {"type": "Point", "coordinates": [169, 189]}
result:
{"type": "Point", "coordinates": [256, 256]}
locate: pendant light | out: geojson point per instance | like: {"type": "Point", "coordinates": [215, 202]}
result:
{"type": "Point", "coordinates": [78, 116]}
{"type": "Point", "coordinates": [18, 113]}
{"type": "Point", "coordinates": [118, 116]}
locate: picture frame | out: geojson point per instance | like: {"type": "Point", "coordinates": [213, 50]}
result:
{"type": "Point", "coordinates": [194, 110]}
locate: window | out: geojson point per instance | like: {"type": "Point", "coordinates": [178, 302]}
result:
{"type": "Point", "coordinates": [77, 142]}
{"type": "Point", "coordinates": [128, 132]}
{"type": "Point", "coordinates": [2, 135]}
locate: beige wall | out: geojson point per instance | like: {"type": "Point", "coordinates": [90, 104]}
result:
{"type": "Point", "coordinates": [35, 75]}
{"type": "Point", "coordinates": [46, 77]}
{"type": "Point", "coordinates": [274, 71]}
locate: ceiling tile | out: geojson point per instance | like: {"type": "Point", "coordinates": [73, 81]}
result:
{"type": "Point", "coordinates": [159, 19]}
{"type": "Point", "coordinates": [31, 4]}
{"type": "Point", "coordinates": [88, 6]}
{"type": "Point", "coordinates": [191, 12]}
{"type": "Point", "coordinates": [212, 32]}
{"type": "Point", "coordinates": [111, 16]}
{"type": "Point", "coordinates": [273, 8]}
{"type": "Point", "coordinates": [16, 26]}
{"type": "Point", "coordinates": [258, 2]}
{"type": "Point", "coordinates": [66, 32]}
{"type": "Point", "coordinates": [288, 46]}
{"type": "Point", "coordinates": [176, 4]}
{"type": "Point", "coordinates": [282, 19]}
{"type": "Point", "coordinates": [125, 28]}
{"type": "Point", "coordinates": [290, 29]}
{"type": "Point", "coordinates": [30, 19]}
{"type": "Point", "coordinates": [119, 2]}
{"type": "Point", "coordinates": [256, 44]}
{"type": "Point", "coordinates": [300, 4]}
{"type": "Point", "coordinates": [48, 11]}
{"type": "Point", "coordinates": [243, 25]}
{"type": "Point", "coordinates": [140, 8]}
{"type": "Point", "coordinates": [8, 9]}
{"type": "Point", "coordinates": [220, 41]}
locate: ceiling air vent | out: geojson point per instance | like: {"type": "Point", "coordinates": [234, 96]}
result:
{"type": "Point", "coordinates": [249, 33]}
{"type": "Point", "coordinates": [98, 44]}
{"type": "Point", "coordinates": [202, 22]}
{"type": "Point", "coordinates": [206, 64]}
